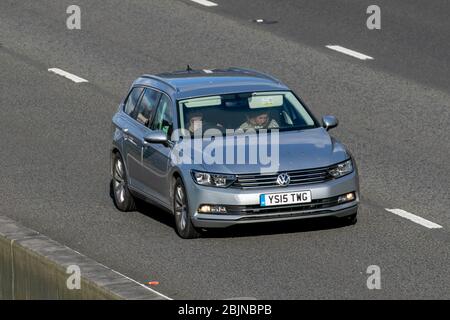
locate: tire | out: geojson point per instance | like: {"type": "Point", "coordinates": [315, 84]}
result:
{"type": "Point", "coordinates": [123, 199]}
{"type": "Point", "coordinates": [183, 224]}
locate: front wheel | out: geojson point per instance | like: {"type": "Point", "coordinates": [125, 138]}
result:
{"type": "Point", "coordinates": [183, 224]}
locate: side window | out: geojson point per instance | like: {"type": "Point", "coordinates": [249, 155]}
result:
{"type": "Point", "coordinates": [132, 100]}
{"type": "Point", "coordinates": [148, 102]}
{"type": "Point", "coordinates": [164, 117]}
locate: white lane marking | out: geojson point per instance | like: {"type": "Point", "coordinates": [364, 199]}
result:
{"type": "Point", "coordinates": [414, 218]}
{"type": "Point", "coordinates": [122, 275]}
{"type": "Point", "coordinates": [142, 285]}
{"type": "Point", "coordinates": [205, 3]}
{"type": "Point", "coordinates": [67, 75]}
{"type": "Point", "coordinates": [349, 52]}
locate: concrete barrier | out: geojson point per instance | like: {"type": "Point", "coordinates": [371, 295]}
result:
{"type": "Point", "coordinates": [33, 266]}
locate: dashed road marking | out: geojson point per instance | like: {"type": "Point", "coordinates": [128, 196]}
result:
{"type": "Point", "coordinates": [67, 75]}
{"type": "Point", "coordinates": [349, 52]}
{"type": "Point", "coordinates": [205, 3]}
{"type": "Point", "coordinates": [414, 218]}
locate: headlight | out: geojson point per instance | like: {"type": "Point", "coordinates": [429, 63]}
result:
{"type": "Point", "coordinates": [341, 169]}
{"type": "Point", "coordinates": [213, 179]}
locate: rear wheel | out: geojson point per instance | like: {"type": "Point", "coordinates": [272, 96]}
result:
{"type": "Point", "coordinates": [123, 199]}
{"type": "Point", "coordinates": [183, 224]}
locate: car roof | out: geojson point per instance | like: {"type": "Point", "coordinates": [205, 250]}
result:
{"type": "Point", "coordinates": [196, 83]}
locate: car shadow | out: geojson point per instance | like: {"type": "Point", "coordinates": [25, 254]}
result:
{"type": "Point", "coordinates": [277, 227]}
{"type": "Point", "coordinates": [148, 210]}
{"type": "Point", "coordinates": [247, 230]}
{"type": "Point", "coordinates": [155, 213]}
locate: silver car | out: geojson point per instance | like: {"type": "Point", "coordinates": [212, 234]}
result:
{"type": "Point", "coordinates": [221, 147]}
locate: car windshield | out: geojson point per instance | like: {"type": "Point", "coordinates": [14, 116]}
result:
{"type": "Point", "coordinates": [279, 110]}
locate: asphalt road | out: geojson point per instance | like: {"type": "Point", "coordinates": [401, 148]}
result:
{"type": "Point", "coordinates": [394, 114]}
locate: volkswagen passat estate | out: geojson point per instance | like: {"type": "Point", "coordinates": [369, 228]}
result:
{"type": "Point", "coordinates": [216, 148]}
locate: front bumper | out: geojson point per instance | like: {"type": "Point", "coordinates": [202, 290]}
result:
{"type": "Point", "coordinates": [223, 221]}
{"type": "Point", "coordinates": [244, 199]}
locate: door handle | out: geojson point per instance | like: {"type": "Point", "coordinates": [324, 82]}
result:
{"type": "Point", "coordinates": [125, 135]}
{"type": "Point", "coordinates": [128, 137]}
{"type": "Point", "coordinates": [131, 140]}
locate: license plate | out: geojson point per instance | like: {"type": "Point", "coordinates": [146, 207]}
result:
{"type": "Point", "coordinates": [278, 199]}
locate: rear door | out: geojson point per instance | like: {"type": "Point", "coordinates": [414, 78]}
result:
{"type": "Point", "coordinates": [134, 137]}
{"type": "Point", "coordinates": [156, 157]}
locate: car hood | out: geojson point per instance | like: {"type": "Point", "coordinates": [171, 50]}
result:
{"type": "Point", "coordinates": [297, 150]}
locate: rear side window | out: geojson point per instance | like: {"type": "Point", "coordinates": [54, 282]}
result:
{"type": "Point", "coordinates": [148, 103]}
{"type": "Point", "coordinates": [132, 100]}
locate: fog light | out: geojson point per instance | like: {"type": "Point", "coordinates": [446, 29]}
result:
{"type": "Point", "coordinates": [206, 208]}
{"type": "Point", "coordinates": [347, 197]}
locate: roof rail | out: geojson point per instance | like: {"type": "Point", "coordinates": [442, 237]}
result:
{"type": "Point", "coordinates": [150, 76]}
{"type": "Point", "coordinates": [256, 72]}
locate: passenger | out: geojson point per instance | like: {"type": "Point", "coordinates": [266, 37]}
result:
{"type": "Point", "coordinates": [259, 120]}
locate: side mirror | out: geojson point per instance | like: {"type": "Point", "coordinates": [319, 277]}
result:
{"type": "Point", "coordinates": [329, 122]}
{"type": "Point", "coordinates": [156, 137]}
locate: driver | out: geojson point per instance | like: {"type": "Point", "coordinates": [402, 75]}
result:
{"type": "Point", "coordinates": [259, 120]}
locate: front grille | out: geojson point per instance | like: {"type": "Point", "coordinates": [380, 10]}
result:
{"type": "Point", "coordinates": [257, 209]}
{"type": "Point", "coordinates": [298, 177]}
